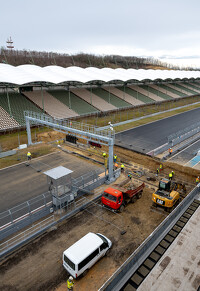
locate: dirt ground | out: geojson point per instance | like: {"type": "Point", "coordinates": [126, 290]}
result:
{"type": "Point", "coordinates": [38, 266]}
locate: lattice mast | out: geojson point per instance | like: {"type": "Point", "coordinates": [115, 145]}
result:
{"type": "Point", "coordinates": [9, 43]}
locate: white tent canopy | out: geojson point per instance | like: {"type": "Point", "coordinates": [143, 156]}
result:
{"type": "Point", "coordinates": [28, 74]}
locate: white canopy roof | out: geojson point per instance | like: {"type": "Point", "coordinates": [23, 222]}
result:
{"type": "Point", "coordinates": [27, 74]}
{"type": "Point", "coordinates": [58, 172]}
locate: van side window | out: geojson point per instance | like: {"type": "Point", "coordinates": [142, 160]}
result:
{"type": "Point", "coordinates": [88, 259]}
{"type": "Point", "coordinates": [103, 246]}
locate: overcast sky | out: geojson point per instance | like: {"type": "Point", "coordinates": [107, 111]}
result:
{"type": "Point", "coordinates": [169, 30]}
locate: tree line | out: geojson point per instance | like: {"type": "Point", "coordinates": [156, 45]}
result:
{"type": "Point", "coordinates": [43, 58]}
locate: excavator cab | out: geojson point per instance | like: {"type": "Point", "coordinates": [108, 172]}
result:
{"type": "Point", "coordinates": [165, 185]}
{"type": "Point", "coordinates": [166, 195]}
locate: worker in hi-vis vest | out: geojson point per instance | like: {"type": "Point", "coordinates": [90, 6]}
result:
{"type": "Point", "coordinates": [70, 283]}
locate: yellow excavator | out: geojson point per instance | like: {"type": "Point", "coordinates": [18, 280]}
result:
{"type": "Point", "coordinates": [168, 194]}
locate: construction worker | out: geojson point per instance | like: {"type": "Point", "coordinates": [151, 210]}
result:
{"type": "Point", "coordinates": [197, 180]}
{"type": "Point", "coordinates": [170, 176]}
{"type": "Point", "coordinates": [122, 168]}
{"type": "Point", "coordinates": [104, 155]}
{"type": "Point", "coordinates": [116, 166]}
{"type": "Point", "coordinates": [115, 158]}
{"type": "Point", "coordinates": [161, 167]}
{"type": "Point", "coordinates": [130, 176]}
{"type": "Point", "coordinates": [29, 156]}
{"type": "Point", "coordinates": [70, 283]}
{"type": "Point", "coordinates": [157, 171]}
{"type": "Point", "coordinates": [170, 151]}
{"type": "Point", "coordinates": [173, 173]}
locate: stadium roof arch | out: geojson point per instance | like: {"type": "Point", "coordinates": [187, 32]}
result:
{"type": "Point", "coordinates": [54, 75]}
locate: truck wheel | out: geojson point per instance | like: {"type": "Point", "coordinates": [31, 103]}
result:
{"type": "Point", "coordinates": [133, 199]}
{"type": "Point", "coordinates": [121, 209]}
{"type": "Point", "coordinates": [139, 195]}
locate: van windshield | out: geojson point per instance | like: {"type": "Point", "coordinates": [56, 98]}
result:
{"type": "Point", "coordinates": [103, 238]}
{"type": "Point", "coordinates": [68, 262]}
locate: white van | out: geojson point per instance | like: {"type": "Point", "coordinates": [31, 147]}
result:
{"type": "Point", "coordinates": [85, 252]}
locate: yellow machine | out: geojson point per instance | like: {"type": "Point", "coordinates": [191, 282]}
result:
{"type": "Point", "coordinates": [167, 195]}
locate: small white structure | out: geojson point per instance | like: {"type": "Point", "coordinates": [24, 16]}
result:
{"type": "Point", "coordinates": [59, 183]}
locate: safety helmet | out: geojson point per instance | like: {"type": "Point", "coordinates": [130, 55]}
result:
{"type": "Point", "coordinates": [71, 278]}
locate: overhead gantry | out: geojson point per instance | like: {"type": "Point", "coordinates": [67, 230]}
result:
{"type": "Point", "coordinates": [84, 131]}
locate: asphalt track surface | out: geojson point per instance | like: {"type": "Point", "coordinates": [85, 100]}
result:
{"type": "Point", "coordinates": [21, 183]}
{"type": "Point", "coordinates": [148, 137]}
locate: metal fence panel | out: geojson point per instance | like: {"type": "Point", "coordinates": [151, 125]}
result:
{"type": "Point", "coordinates": [24, 214]}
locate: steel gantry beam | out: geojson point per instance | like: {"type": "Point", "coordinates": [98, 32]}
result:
{"type": "Point", "coordinates": [90, 133]}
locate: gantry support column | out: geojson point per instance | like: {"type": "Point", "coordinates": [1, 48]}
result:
{"type": "Point", "coordinates": [28, 129]}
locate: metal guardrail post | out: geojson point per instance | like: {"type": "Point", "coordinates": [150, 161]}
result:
{"type": "Point", "coordinates": [45, 202]}
{"type": "Point", "coordinates": [10, 215]}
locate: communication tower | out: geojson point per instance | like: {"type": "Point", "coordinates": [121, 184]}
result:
{"type": "Point", "coordinates": [9, 42]}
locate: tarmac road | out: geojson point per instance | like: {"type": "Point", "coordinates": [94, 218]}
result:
{"type": "Point", "coordinates": [21, 183]}
{"type": "Point", "coordinates": [148, 137]}
{"type": "Point", "coordinates": [186, 154]}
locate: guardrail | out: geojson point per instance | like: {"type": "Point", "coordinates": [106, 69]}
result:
{"type": "Point", "coordinates": [21, 238]}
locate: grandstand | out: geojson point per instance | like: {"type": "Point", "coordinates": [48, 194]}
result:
{"type": "Point", "coordinates": [49, 104]}
{"type": "Point", "coordinates": [173, 89]}
{"type": "Point", "coordinates": [185, 89]}
{"type": "Point", "coordinates": [124, 96]}
{"type": "Point", "coordinates": [147, 93]}
{"type": "Point", "coordinates": [157, 92]}
{"type": "Point", "coordinates": [73, 101]}
{"type": "Point", "coordinates": [7, 122]}
{"type": "Point", "coordinates": [16, 105]}
{"type": "Point", "coordinates": [93, 99]}
{"type": "Point", "coordinates": [115, 100]}
{"type": "Point", "coordinates": [73, 91]}
{"type": "Point", "coordinates": [191, 87]}
{"type": "Point", "coordinates": [164, 91]}
{"type": "Point", "coordinates": [139, 96]}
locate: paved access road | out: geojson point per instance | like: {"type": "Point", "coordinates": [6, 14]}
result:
{"type": "Point", "coordinates": [148, 137]}
{"type": "Point", "coordinates": [21, 183]}
{"type": "Point", "coordinates": [184, 156]}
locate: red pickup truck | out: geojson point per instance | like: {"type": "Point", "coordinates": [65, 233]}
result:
{"type": "Point", "coordinates": [117, 199]}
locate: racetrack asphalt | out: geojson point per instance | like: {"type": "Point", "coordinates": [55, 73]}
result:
{"type": "Point", "coordinates": [148, 137]}
{"type": "Point", "coordinates": [20, 183]}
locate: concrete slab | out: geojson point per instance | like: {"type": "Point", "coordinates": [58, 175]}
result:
{"type": "Point", "coordinates": [179, 267]}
